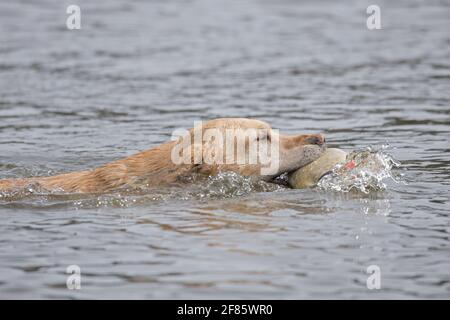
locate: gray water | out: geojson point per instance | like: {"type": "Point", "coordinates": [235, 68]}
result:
{"type": "Point", "coordinates": [137, 70]}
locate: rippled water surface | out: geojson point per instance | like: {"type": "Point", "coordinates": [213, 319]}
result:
{"type": "Point", "coordinates": [137, 70]}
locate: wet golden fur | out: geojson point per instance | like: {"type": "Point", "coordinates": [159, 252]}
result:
{"type": "Point", "coordinates": [154, 167]}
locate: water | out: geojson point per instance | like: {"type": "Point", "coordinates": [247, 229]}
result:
{"type": "Point", "coordinates": [71, 100]}
{"type": "Point", "coordinates": [364, 171]}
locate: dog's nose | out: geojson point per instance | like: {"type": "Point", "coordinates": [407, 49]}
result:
{"type": "Point", "coordinates": [318, 139]}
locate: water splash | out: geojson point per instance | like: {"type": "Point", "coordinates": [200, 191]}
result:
{"type": "Point", "coordinates": [195, 187]}
{"type": "Point", "coordinates": [230, 184]}
{"type": "Point", "coordinates": [365, 170]}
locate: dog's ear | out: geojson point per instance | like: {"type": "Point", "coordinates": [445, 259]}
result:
{"type": "Point", "coordinates": [197, 154]}
{"type": "Point", "coordinates": [203, 155]}
{"type": "Point", "coordinates": [213, 147]}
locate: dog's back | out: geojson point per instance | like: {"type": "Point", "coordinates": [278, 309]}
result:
{"type": "Point", "coordinates": [12, 184]}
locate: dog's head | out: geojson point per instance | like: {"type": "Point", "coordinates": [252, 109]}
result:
{"type": "Point", "coordinates": [246, 146]}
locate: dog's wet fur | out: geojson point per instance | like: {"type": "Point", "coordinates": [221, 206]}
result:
{"type": "Point", "coordinates": [155, 167]}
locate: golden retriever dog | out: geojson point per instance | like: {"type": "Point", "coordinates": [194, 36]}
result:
{"type": "Point", "coordinates": [245, 146]}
